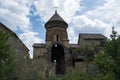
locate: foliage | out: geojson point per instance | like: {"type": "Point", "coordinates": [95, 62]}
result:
{"type": "Point", "coordinates": [6, 58]}
{"type": "Point", "coordinates": [107, 62]}
{"type": "Point", "coordinates": [39, 77]}
{"type": "Point", "coordinates": [72, 75]}
{"type": "Point", "coordinates": [87, 52]}
{"type": "Point", "coordinates": [52, 77]}
{"type": "Point", "coordinates": [105, 65]}
{"type": "Point", "coordinates": [108, 76]}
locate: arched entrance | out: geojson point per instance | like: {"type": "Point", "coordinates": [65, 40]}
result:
{"type": "Point", "coordinates": [58, 57]}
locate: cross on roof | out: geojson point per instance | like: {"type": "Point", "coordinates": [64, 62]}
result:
{"type": "Point", "coordinates": [55, 9]}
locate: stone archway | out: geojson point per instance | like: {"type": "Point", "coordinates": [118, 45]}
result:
{"type": "Point", "coordinates": [58, 57]}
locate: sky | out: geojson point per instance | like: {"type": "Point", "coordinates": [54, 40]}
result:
{"type": "Point", "coordinates": [27, 17]}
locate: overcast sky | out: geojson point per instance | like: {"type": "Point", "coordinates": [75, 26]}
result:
{"type": "Point", "coordinates": [27, 17]}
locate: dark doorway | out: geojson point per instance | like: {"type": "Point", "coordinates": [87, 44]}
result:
{"type": "Point", "coordinates": [58, 57]}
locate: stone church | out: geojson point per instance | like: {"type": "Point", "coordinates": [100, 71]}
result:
{"type": "Point", "coordinates": [52, 57]}
{"type": "Point", "coordinates": [55, 54]}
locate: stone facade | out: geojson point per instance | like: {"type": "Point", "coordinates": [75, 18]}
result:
{"type": "Point", "coordinates": [56, 43]}
{"type": "Point", "coordinates": [21, 53]}
{"type": "Point", "coordinates": [90, 39]}
{"type": "Point", "coordinates": [55, 54]}
{"type": "Point", "coordinates": [52, 57]}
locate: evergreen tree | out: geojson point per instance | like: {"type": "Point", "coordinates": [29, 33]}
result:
{"type": "Point", "coordinates": [108, 60]}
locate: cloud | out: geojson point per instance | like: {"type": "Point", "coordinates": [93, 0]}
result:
{"type": "Point", "coordinates": [15, 15]}
{"type": "Point", "coordinates": [84, 24]}
{"type": "Point", "coordinates": [81, 21]}
{"type": "Point", "coordinates": [70, 7]}
{"type": "Point", "coordinates": [29, 39]}
{"type": "Point", "coordinates": [108, 14]}
{"type": "Point", "coordinates": [66, 8]}
{"type": "Point", "coordinates": [73, 38]}
{"type": "Point", "coordinates": [44, 9]}
{"type": "Point", "coordinates": [110, 10]}
{"type": "Point", "coordinates": [98, 20]}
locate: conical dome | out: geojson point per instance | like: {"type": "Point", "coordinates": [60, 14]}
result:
{"type": "Point", "coordinates": [56, 21]}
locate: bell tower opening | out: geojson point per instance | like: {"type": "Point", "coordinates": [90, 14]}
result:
{"type": "Point", "coordinates": [58, 58]}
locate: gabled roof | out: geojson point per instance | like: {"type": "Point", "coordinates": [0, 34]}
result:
{"type": "Point", "coordinates": [56, 17]}
{"type": "Point", "coordinates": [92, 36]}
{"type": "Point", "coordinates": [2, 25]}
{"type": "Point", "coordinates": [39, 45]}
